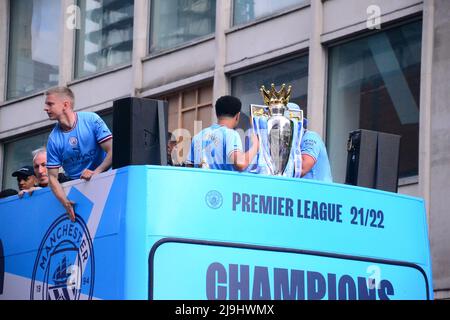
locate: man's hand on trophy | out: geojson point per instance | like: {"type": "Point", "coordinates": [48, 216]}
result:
{"type": "Point", "coordinates": [255, 141]}
{"type": "Point", "coordinates": [242, 160]}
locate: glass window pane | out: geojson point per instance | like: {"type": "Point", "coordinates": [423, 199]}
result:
{"type": "Point", "coordinates": [176, 22]}
{"type": "Point", "coordinates": [187, 121]}
{"type": "Point", "coordinates": [108, 118]}
{"type": "Point", "coordinates": [189, 107]}
{"type": "Point", "coordinates": [189, 98]}
{"type": "Point", "coordinates": [374, 84]}
{"type": "Point", "coordinates": [293, 72]}
{"type": "Point", "coordinates": [18, 154]}
{"type": "Point", "coordinates": [204, 115]}
{"type": "Point", "coordinates": [33, 46]}
{"type": "Point", "coordinates": [174, 107]}
{"type": "Point", "coordinates": [248, 10]}
{"type": "Point", "coordinates": [105, 38]}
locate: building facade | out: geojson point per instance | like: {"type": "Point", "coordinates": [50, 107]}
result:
{"type": "Point", "coordinates": [371, 64]}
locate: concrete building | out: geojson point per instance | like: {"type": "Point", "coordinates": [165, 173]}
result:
{"type": "Point", "coordinates": [372, 64]}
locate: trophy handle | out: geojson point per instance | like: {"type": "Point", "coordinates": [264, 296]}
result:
{"type": "Point", "coordinates": [258, 111]}
{"type": "Point", "coordinates": [295, 115]}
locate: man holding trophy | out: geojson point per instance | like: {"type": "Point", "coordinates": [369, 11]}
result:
{"type": "Point", "coordinates": [219, 146]}
{"type": "Point", "coordinates": [315, 163]}
{"type": "Point", "coordinates": [286, 147]}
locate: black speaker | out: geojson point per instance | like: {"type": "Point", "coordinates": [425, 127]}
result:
{"type": "Point", "coordinates": [388, 159]}
{"type": "Point", "coordinates": [373, 159]}
{"type": "Point", "coordinates": [361, 160]}
{"type": "Point", "coordinates": [140, 132]}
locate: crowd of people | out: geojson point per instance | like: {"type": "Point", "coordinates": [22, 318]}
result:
{"type": "Point", "coordinates": [80, 146]}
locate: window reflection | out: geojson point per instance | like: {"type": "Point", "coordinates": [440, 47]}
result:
{"type": "Point", "coordinates": [176, 22]}
{"type": "Point", "coordinates": [33, 46]}
{"type": "Point", "coordinates": [374, 84]}
{"type": "Point", "coordinates": [248, 10]}
{"type": "Point", "coordinates": [106, 36]}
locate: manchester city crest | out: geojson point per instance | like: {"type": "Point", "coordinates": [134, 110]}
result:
{"type": "Point", "coordinates": [214, 199]}
{"type": "Point", "coordinates": [73, 141]}
{"type": "Point", "coordinates": [64, 267]}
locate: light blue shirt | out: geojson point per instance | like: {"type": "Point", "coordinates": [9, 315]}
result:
{"type": "Point", "coordinates": [79, 148]}
{"type": "Point", "coordinates": [213, 147]}
{"type": "Point", "coordinates": [313, 146]}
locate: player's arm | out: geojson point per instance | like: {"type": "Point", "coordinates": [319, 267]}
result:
{"type": "Point", "coordinates": [59, 192]}
{"type": "Point", "coordinates": [310, 148]}
{"type": "Point", "coordinates": [308, 163]}
{"type": "Point", "coordinates": [107, 146]}
{"type": "Point", "coordinates": [105, 165]}
{"type": "Point", "coordinates": [242, 160]}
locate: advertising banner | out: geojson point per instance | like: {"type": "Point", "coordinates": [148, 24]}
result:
{"type": "Point", "coordinates": [260, 273]}
{"type": "Point", "coordinates": [148, 232]}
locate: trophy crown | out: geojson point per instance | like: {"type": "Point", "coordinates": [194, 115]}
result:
{"type": "Point", "coordinates": [274, 97]}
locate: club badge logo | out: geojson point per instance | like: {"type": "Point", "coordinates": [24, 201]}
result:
{"type": "Point", "coordinates": [64, 267]}
{"type": "Point", "coordinates": [214, 199]}
{"type": "Point", "coordinates": [73, 141]}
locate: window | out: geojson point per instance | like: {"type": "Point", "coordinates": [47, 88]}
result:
{"type": "Point", "coordinates": [249, 10]}
{"type": "Point", "coordinates": [18, 154]}
{"type": "Point", "coordinates": [293, 72]}
{"type": "Point", "coordinates": [176, 22]}
{"type": "Point", "coordinates": [190, 109]}
{"type": "Point", "coordinates": [374, 84]}
{"type": "Point", "coordinates": [108, 118]}
{"type": "Point", "coordinates": [33, 46]}
{"type": "Point", "coordinates": [105, 38]}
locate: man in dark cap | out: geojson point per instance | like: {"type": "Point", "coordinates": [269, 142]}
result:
{"type": "Point", "coordinates": [40, 172]}
{"type": "Point", "coordinates": [25, 177]}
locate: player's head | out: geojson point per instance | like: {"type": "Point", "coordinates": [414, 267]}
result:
{"type": "Point", "coordinates": [58, 101]}
{"type": "Point", "coordinates": [228, 106]}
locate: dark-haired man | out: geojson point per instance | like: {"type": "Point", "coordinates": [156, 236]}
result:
{"type": "Point", "coordinates": [25, 177]}
{"type": "Point", "coordinates": [219, 146]}
{"type": "Point", "coordinates": [315, 163]}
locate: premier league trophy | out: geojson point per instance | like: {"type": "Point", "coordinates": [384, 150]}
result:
{"type": "Point", "coordinates": [280, 130]}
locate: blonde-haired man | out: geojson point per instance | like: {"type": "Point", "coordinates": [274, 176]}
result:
{"type": "Point", "coordinates": [80, 142]}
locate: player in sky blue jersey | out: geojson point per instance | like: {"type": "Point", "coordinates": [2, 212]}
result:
{"type": "Point", "coordinates": [79, 148]}
{"type": "Point", "coordinates": [315, 163]}
{"type": "Point", "coordinates": [81, 143]}
{"type": "Point", "coordinates": [219, 146]}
